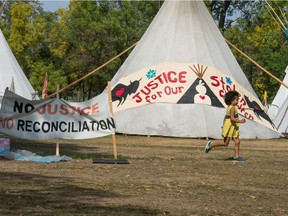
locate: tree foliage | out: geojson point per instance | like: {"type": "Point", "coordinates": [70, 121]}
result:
{"type": "Point", "coordinates": [71, 42]}
{"type": "Point", "coordinates": [260, 37]}
{"type": "Point", "coordinates": [90, 33]}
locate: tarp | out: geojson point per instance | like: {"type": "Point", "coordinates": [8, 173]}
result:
{"type": "Point", "coordinates": [55, 118]}
{"type": "Point", "coordinates": [24, 155]}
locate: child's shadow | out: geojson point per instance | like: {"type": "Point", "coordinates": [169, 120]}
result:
{"type": "Point", "coordinates": [231, 159]}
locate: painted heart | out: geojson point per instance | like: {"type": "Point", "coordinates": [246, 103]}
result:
{"type": "Point", "coordinates": [202, 97]}
{"type": "Point", "coordinates": [119, 92]}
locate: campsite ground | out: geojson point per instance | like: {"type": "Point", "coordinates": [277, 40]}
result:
{"type": "Point", "coordinates": [166, 176]}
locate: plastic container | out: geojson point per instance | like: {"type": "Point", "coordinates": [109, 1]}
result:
{"type": "Point", "coordinates": [4, 145]}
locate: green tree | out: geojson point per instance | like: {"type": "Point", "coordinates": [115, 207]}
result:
{"type": "Point", "coordinates": [84, 38]}
{"type": "Point", "coordinates": [261, 38]}
{"type": "Point", "coordinates": [28, 40]}
{"type": "Point", "coordinates": [3, 17]}
{"type": "Point", "coordinates": [90, 33]}
{"type": "Point", "coordinates": [72, 42]}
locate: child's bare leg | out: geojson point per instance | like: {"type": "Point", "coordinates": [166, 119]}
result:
{"type": "Point", "coordinates": [236, 147]}
{"type": "Point", "coordinates": [218, 144]}
{"type": "Point", "coordinates": [211, 145]}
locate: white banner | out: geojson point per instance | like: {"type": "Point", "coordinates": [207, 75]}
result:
{"type": "Point", "coordinates": [55, 118]}
{"type": "Point", "coordinates": [182, 83]}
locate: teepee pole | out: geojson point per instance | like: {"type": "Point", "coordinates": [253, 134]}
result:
{"type": "Point", "coordinates": [259, 66]}
{"type": "Point", "coordinates": [111, 110]}
{"type": "Point", "coordinates": [281, 27]}
{"type": "Point", "coordinates": [92, 72]}
{"type": "Point", "coordinates": [280, 21]}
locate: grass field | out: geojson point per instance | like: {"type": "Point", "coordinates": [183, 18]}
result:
{"type": "Point", "coordinates": [166, 176]}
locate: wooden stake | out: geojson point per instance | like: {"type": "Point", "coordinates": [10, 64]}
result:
{"type": "Point", "coordinates": [111, 110]}
{"type": "Point", "coordinates": [57, 143]}
{"type": "Point", "coordinates": [57, 148]}
{"type": "Point", "coordinates": [259, 66]}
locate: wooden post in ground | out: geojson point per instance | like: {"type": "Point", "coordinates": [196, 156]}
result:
{"type": "Point", "coordinates": [111, 110]}
{"type": "Point", "coordinates": [57, 143]}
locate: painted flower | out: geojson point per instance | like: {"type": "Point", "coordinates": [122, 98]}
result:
{"type": "Point", "coordinates": [151, 74]}
{"type": "Point", "coordinates": [228, 80]}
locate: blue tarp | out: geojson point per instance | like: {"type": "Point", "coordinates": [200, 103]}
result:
{"type": "Point", "coordinates": [23, 155]}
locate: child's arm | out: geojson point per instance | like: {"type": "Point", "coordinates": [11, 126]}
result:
{"type": "Point", "coordinates": [224, 120]}
{"type": "Point", "coordinates": [232, 116]}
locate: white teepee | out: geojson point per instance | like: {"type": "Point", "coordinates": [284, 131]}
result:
{"type": "Point", "coordinates": [278, 110]}
{"type": "Point", "coordinates": [281, 119]}
{"type": "Point", "coordinates": [12, 75]}
{"type": "Point", "coordinates": [182, 32]}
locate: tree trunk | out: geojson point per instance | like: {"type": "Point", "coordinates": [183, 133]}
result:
{"type": "Point", "coordinates": [2, 6]}
{"type": "Point", "coordinates": [223, 12]}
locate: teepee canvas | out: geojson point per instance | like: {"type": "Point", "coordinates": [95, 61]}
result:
{"type": "Point", "coordinates": [281, 119]}
{"type": "Point", "coordinates": [12, 75]}
{"type": "Point", "coordinates": [172, 83]}
{"type": "Point", "coordinates": [278, 110]}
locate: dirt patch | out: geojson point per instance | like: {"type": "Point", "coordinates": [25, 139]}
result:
{"type": "Point", "coordinates": [166, 176]}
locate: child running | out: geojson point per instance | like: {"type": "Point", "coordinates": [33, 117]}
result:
{"type": "Point", "coordinates": [230, 127]}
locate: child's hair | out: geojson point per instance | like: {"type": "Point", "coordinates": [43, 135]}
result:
{"type": "Point", "coordinates": [230, 96]}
